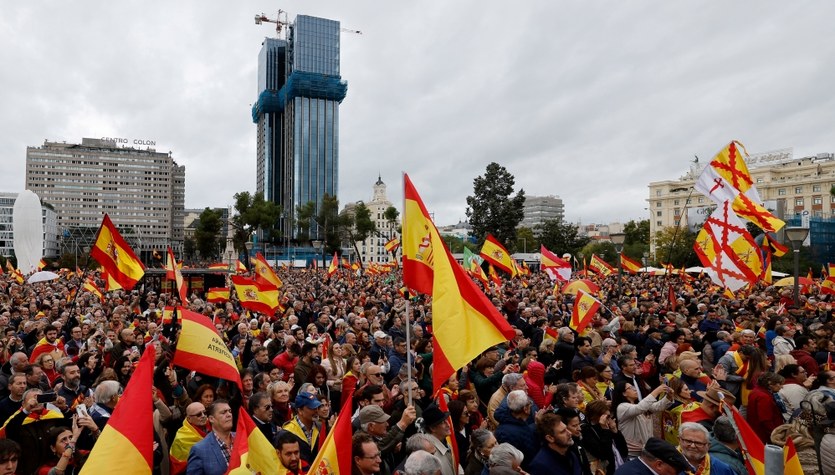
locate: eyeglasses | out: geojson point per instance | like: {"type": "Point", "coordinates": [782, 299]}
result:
{"type": "Point", "coordinates": [692, 442]}
{"type": "Point", "coordinates": [199, 414]}
{"type": "Point", "coordinates": [372, 457]}
{"type": "Point", "coordinates": [375, 374]}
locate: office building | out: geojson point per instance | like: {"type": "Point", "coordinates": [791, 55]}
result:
{"type": "Point", "coordinates": [50, 227]}
{"type": "Point", "coordinates": [539, 209]}
{"type": "Point", "coordinates": [142, 190]}
{"type": "Point", "coordinates": [297, 113]}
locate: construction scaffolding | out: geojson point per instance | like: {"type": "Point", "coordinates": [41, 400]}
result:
{"type": "Point", "coordinates": [300, 84]}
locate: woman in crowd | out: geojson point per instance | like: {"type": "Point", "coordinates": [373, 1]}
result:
{"type": "Point", "coordinates": [546, 352]}
{"type": "Point", "coordinates": [351, 380]}
{"type": "Point", "coordinates": [535, 379]}
{"type": "Point", "coordinates": [765, 406]}
{"type": "Point", "coordinates": [47, 363]}
{"type": "Point", "coordinates": [604, 384]}
{"type": "Point", "coordinates": [65, 460]}
{"type": "Point", "coordinates": [460, 417]}
{"type": "Point", "coordinates": [470, 399]}
{"type": "Point", "coordinates": [803, 443]}
{"type": "Point", "coordinates": [482, 442]}
{"type": "Point", "coordinates": [279, 393]}
{"type": "Point", "coordinates": [682, 402]}
{"type": "Point", "coordinates": [634, 417]}
{"type": "Point", "coordinates": [205, 394]}
{"type": "Point", "coordinates": [335, 369]}
{"type": "Point", "coordinates": [604, 444]}
{"type": "Point", "coordinates": [587, 380]}
{"type": "Point", "coordinates": [318, 377]}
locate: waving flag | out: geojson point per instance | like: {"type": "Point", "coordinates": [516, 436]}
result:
{"type": "Point", "coordinates": [600, 266]}
{"type": "Point", "coordinates": [472, 264]}
{"type": "Point", "coordinates": [418, 254]}
{"type": "Point", "coordinates": [240, 268]}
{"type": "Point", "coordinates": [791, 462]}
{"type": "Point", "coordinates": [752, 447]}
{"type": "Point", "coordinates": [256, 296]}
{"type": "Point", "coordinates": [493, 252]}
{"type": "Point", "coordinates": [334, 265]}
{"type": "Point", "coordinates": [726, 248]}
{"type": "Point", "coordinates": [494, 276]}
{"type": "Point", "coordinates": [750, 210]}
{"type": "Point", "coordinates": [218, 295]}
{"type": "Point", "coordinates": [392, 244]}
{"type": "Point", "coordinates": [251, 451]}
{"type": "Point", "coordinates": [585, 306]}
{"type": "Point", "coordinates": [629, 265]}
{"type": "Point", "coordinates": [730, 165]}
{"type": "Point", "coordinates": [200, 348]}
{"type": "Point", "coordinates": [126, 445]}
{"type": "Point", "coordinates": [264, 274]}
{"type": "Point", "coordinates": [172, 273]}
{"type": "Point", "coordinates": [90, 286]}
{"type": "Point", "coordinates": [554, 266]}
{"type": "Point", "coordinates": [115, 255]}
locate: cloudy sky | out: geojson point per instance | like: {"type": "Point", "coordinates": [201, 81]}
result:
{"type": "Point", "coordinates": [589, 101]}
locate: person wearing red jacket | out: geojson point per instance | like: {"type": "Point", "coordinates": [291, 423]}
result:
{"type": "Point", "coordinates": [286, 361]}
{"type": "Point", "coordinates": [765, 408]}
{"type": "Point", "coordinates": [535, 378]}
{"type": "Point", "coordinates": [804, 346]}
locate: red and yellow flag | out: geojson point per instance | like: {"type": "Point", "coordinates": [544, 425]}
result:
{"type": "Point", "coordinates": [126, 444]}
{"type": "Point", "coordinates": [494, 276]}
{"type": "Point", "coordinates": [251, 451]}
{"type": "Point", "coordinates": [754, 212]}
{"type": "Point", "coordinates": [585, 306]}
{"type": "Point", "coordinates": [265, 274]}
{"type": "Point", "coordinates": [41, 264]}
{"type": "Point", "coordinates": [200, 348]}
{"type": "Point", "coordinates": [752, 447]}
{"type": "Point", "coordinates": [218, 294]}
{"type": "Point", "coordinates": [334, 265]}
{"type": "Point", "coordinates": [115, 255]}
{"type": "Point", "coordinates": [240, 268]}
{"type": "Point", "coordinates": [629, 265]}
{"type": "Point", "coordinates": [392, 244]}
{"type": "Point", "coordinates": [335, 453]}
{"type": "Point", "coordinates": [791, 462]}
{"type": "Point", "coordinates": [90, 286]}
{"type": "Point", "coordinates": [219, 266]}
{"type": "Point", "coordinates": [730, 164]}
{"type": "Point", "coordinates": [450, 439]}
{"type": "Point", "coordinates": [556, 267]}
{"type": "Point", "coordinates": [418, 254]}
{"type": "Point", "coordinates": [600, 266]}
{"type": "Point", "coordinates": [172, 273]}
{"type": "Point", "coordinates": [256, 296]}
{"type": "Point", "coordinates": [493, 252]}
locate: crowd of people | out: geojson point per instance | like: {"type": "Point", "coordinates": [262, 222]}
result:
{"type": "Point", "coordinates": [641, 390]}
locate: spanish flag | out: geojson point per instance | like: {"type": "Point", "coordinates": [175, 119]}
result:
{"type": "Point", "coordinates": [115, 255]}
{"type": "Point", "coordinates": [585, 306]}
{"type": "Point", "coordinates": [41, 264]}
{"type": "Point", "coordinates": [334, 455]}
{"type": "Point", "coordinates": [126, 445]}
{"type": "Point", "coordinates": [791, 462]}
{"type": "Point", "coordinates": [629, 265]}
{"type": "Point", "coordinates": [492, 251]}
{"type": "Point", "coordinates": [218, 294]}
{"type": "Point", "coordinates": [600, 266]}
{"type": "Point", "coordinates": [465, 323]}
{"type": "Point", "coordinates": [256, 296]}
{"type": "Point", "coordinates": [333, 265]}
{"type": "Point", "coordinates": [494, 276]}
{"type": "Point", "coordinates": [109, 282]}
{"type": "Point", "coordinates": [265, 274]}
{"type": "Point", "coordinates": [219, 266]}
{"type": "Point", "coordinates": [752, 447]}
{"type": "Point", "coordinates": [240, 268]}
{"type": "Point", "coordinates": [392, 244]}
{"type": "Point", "coordinates": [251, 451]}
{"type": "Point", "coordinates": [172, 273]}
{"type": "Point", "coordinates": [90, 286]}
{"type": "Point", "coordinates": [418, 254]}
{"type": "Point", "coordinates": [200, 348]}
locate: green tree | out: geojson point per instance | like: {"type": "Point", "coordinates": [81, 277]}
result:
{"type": "Point", "coordinates": [329, 224]}
{"type": "Point", "coordinates": [253, 213]}
{"type": "Point", "coordinates": [492, 210]}
{"type": "Point", "coordinates": [560, 237]}
{"type": "Point", "coordinates": [525, 240]}
{"type": "Point", "coordinates": [675, 246]}
{"type": "Point", "coordinates": [603, 249]}
{"type": "Point", "coordinates": [305, 214]}
{"type": "Point", "coordinates": [189, 248]}
{"type": "Point", "coordinates": [207, 233]}
{"type": "Point", "coordinates": [357, 225]}
{"type": "Point", "coordinates": [637, 239]}
{"type": "Point", "coordinates": [391, 214]}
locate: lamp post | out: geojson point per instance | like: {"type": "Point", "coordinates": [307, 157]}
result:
{"type": "Point", "coordinates": [796, 235]}
{"type": "Point", "coordinates": [618, 239]}
{"type": "Point", "coordinates": [317, 244]}
{"type": "Point", "coordinates": [524, 245]}
{"type": "Point", "coordinates": [645, 260]}
{"type": "Point", "coordinates": [86, 259]}
{"type": "Point", "coordinates": [579, 261]}
{"type": "Point", "coordinates": [248, 245]}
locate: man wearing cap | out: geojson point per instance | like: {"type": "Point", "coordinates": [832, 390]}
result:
{"type": "Point", "coordinates": [658, 457]}
{"type": "Point", "coordinates": [375, 422]}
{"type": "Point", "coordinates": [708, 410]}
{"type": "Point", "coordinates": [555, 456]}
{"type": "Point", "coordinates": [379, 348]}
{"type": "Point", "coordinates": [435, 423]}
{"type": "Point", "coordinates": [304, 427]}
{"type": "Point", "coordinates": [694, 442]}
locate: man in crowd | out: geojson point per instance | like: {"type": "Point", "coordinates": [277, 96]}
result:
{"type": "Point", "coordinates": [514, 427]}
{"type": "Point", "coordinates": [304, 426]}
{"type": "Point", "coordinates": [658, 457]}
{"type": "Point", "coordinates": [365, 456]}
{"type": "Point", "coordinates": [211, 455]}
{"type": "Point", "coordinates": [436, 424]}
{"type": "Point", "coordinates": [694, 442]}
{"type": "Point", "coordinates": [287, 447]}
{"type": "Point", "coordinates": [555, 455]}
{"type": "Point", "coordinates": [193, 430]}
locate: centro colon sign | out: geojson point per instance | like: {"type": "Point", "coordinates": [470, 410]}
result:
{"type": "Point", "coordinates": [122, 141]}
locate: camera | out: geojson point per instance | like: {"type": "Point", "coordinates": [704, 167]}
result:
{"type": "Point", "coordinates": [47, 397]}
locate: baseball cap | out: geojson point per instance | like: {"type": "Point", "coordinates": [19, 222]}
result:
{"type": "Point", "coordinates": [380, 334]}
{"type": "Point", "coordinates": [307, 400]}
{"type": "Point", "coordinates": [372, 413]}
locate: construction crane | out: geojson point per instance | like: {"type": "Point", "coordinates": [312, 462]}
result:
{"type": "Point", "coordinates": [279, 23]}
{"type": "Point", "coordinates": [346, 30]}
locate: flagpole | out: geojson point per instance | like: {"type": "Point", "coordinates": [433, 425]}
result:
{"type": "Point", "coordinates": [408, 294]}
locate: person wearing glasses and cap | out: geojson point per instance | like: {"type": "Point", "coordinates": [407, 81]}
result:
{"type": "Point", "coordinates": [694, 442]}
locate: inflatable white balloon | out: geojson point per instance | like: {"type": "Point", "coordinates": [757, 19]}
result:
{"type": "Point", "coordinates": [28, 231]}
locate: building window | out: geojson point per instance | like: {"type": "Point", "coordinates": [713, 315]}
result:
{"type": "Point", "coordinates": [701, 199]}
{"type": "Point", "coordinates": [675, 202]}
{"type": "Point", "coordinates": [658, 213]}
{"type": "Point", "coordinates": [817, 200]}
{"type": "Point", "coordinates": [798, 190]}
{"type": "Point", "coordinates": [798, 201]}
{"type": "Point", "coordinates": [781, 191]}
{"type": "Point", "coordinates": [760, 180]}
{"type": "Point", "coordinates": [677, 211]}
{"type": "Point", "coordinates": [816, 188]}
{"type": "Point", "coordinates": [657, 192]}
{"type": "Point", "coordinates": [657, 204]}
{"type": "Point", "coordinates": [688, 201]}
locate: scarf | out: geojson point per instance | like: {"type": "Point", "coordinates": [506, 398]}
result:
{"type": "Point", "coordinates": [742, 370]}
{"type": "Point", "coordinates": [703, 468]}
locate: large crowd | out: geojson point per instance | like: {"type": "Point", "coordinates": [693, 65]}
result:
{"type": "Point", "coordinates": [641, 390]}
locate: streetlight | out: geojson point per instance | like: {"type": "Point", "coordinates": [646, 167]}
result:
{"type": "Point", "coordinates": [318, 245]}
{"type": "Point", "coordinates": [618, 239]}
{"type": "Point", "coordinates": [645, 259]}
{"type": "Point", "coordinates": [248, 245]}
{"type": "Point", "coordinates": [797, 235]}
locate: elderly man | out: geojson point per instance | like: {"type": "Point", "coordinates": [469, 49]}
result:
{"type": "Point", "coordinates": [435, 423]}
{"type": "Point", "coordinates": [510, 382]}
{"type": "Point", "coordinates": [694, 442]}
{"type": "Point", "coordinates": [708, 410]}
{"type": "Point", "coordinates": [375, 422]}
{"type": "Point", "coordinates": [514, 427]}
{"type": "Point", "coordinates": [658, 457]}
{"type": "Point", "coordinates": [724, 446]}
{"type": "Point", "coordinates": [421, 462]}
{"type": "Point", "coordinates": [194, 429]}
{"type": "Point", "coordinates": [730, 372]}
{"type": "Point", "coordinates": [210, 455]}
{"type": "Point", "coordinates": [31, 425]}
{"type": "Point", "coordinates": [261, 409]}
{"type": "Point", "coordinates": [365, 456]}
{"type": "Point", "coordinates": [11, 403]}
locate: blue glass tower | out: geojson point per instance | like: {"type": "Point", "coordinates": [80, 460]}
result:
{"type": "Point", "coordinates": [297, 112]}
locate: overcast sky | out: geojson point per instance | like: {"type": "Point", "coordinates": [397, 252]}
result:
{"type": "Point", "coordinates": [589, 101]}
